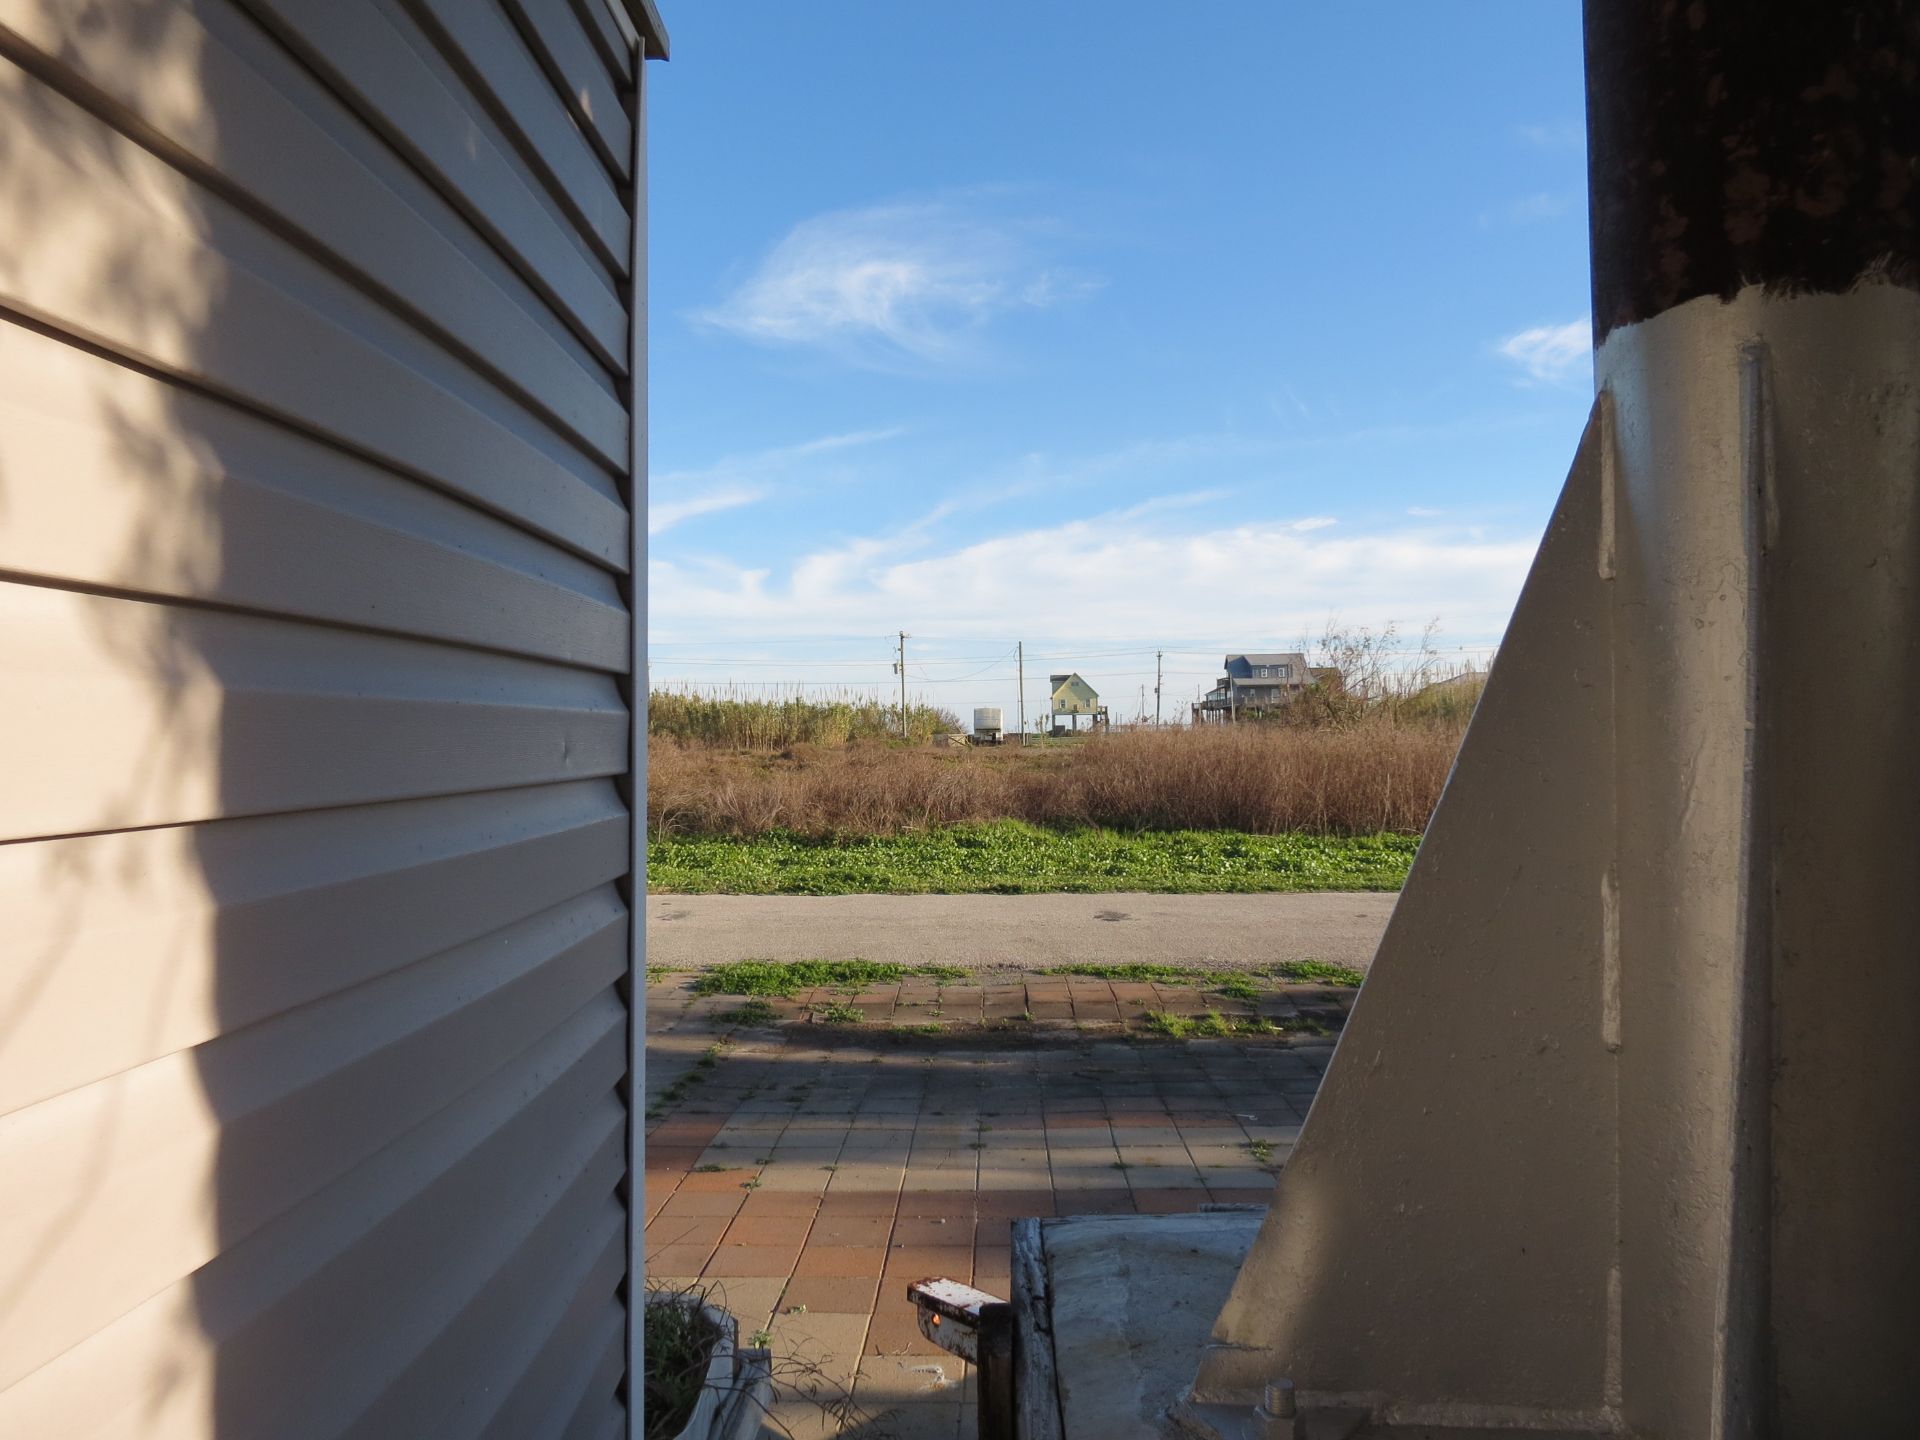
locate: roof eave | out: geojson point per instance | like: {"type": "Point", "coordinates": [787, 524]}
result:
{"type": "Point", "coordinates": [652, 30]}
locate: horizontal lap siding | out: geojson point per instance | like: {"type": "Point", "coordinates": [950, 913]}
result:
{"type": "Point", "coordinates": [315, 664]}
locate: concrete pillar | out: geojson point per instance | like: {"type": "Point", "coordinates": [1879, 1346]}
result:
{"type": "Point", "coordinates": [1621, 1138]}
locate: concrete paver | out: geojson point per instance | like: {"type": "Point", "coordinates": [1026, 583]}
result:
{"type": "Point", "coordinates": [851, 1163]}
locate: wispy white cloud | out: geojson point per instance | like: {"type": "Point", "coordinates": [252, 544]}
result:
{"type": "Point", "coordinates": [675, 496]}
{"type": "Point", "coordinates": [1131, 572]}
{"type": "Point", "coordinates": [913, 281]}
{"type": "Point", "coordinates": [1540, 206]}
{"type": "Point", "coordinates": [1423, 512]}
{"type": "Point", "coordinates": [664, 515]}
{"type": "Point", "coordinates": [1527, 210]}
{"type": "Point", "coordinates": [1563, 135]}
{"type": "Point", "coordinates": [1552, 354]}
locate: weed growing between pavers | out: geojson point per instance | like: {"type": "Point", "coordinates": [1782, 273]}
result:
{"type": "Point", "coordinates": [683, 1087]}
{"type": "Point", "coordinates": [1213, 1025]}
{"type": "Point", "coordinates": [1165, 1022]}
{"type": "Point", "coordinates": [1008, 857]}
{"type": "Point", "coordinates": [1234, 984]}
{"type": "Point", "coordinates": [1323, 972]}
{"type": "Point", "coordinates": [787, 978]}
{"type": "Point", "coordinates": [755, 1013]}
{"type": "Point", "coordinates": [839, 1012]}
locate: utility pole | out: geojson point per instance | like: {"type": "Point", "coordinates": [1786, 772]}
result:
{"type": "Point", "coordinates": [1156, 688]}
{"type": "Point", "coordinates": [1020, 649]}
{"type": "Point", "coordinates": [900, 668]}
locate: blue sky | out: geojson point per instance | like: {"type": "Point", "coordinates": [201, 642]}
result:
{"type": "Point", "coordinates": [1111, 327]}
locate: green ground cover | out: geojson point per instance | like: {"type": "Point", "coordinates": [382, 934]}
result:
{"type": "Point", "coordinates": [1299, 972]}
{"type": "Point", "coordinates": [789, 977]}
{"type": "Point", "coordinates": [1010, 858]}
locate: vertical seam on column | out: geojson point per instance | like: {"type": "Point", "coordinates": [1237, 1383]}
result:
{"type": "Point", "coordinates": [1763, 497]}
{"type": "Point", "coordinates": [1612, 1380]}
{"type": "Point", "coordinates": [1609, 470]}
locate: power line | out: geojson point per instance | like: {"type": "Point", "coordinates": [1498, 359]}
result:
{"type": "Point", "coordinates": [999, 659]}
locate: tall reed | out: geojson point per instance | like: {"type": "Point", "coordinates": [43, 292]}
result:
{"type": "Point", "coordinates": [1374, 773]}
{"type": "Point", "coordinates": [744, 720]}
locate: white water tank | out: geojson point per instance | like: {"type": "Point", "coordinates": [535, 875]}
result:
{"type": "Point", "coordinates": [986, 720]}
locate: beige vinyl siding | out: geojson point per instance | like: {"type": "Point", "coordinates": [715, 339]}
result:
{"type": "Point", "coordinates": [317, 549]}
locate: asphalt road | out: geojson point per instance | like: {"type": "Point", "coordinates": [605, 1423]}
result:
{"type": "Point", "coordinates": [1227, 931]}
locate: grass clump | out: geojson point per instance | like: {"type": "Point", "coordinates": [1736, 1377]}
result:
{"type": "Point", "coordinates": [839, 1013]}
{"type": "Point", "coordinates": [1211, 1025]}
{"type": "Point", "coordinates": [787, 978]}
{"type": "Point", "coordinates": [1135, 970]}
{"type": "Point", "coordinates": [756, 1012]}
{"type": "Point", "coordinates": [1322, 972]}
{"type": "Point", "coordinates": [1010, 857]}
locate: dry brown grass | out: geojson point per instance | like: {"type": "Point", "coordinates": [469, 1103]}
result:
{"type": "Point", "coordinates": [1378, 774]}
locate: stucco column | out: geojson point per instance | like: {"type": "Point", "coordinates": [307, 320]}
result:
{"type": "Point", "coordinates": [1620, 1139]}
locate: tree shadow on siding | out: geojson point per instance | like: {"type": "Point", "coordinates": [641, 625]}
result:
{"type": "Point", "coordinates": [216, 1021]}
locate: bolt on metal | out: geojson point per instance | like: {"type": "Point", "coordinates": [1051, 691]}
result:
{"type": "Point", "coordinates": [1278, 1415]}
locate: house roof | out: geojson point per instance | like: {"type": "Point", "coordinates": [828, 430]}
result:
{"type": "Point", "coordinates": [643, 20]}
{"type": "Point", "coordinates": [1283, 657]}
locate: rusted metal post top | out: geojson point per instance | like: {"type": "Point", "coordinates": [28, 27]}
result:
{"type": "Point", "coordinates": [1743, 142]}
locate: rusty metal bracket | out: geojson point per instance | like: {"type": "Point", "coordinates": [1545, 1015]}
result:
{"type": "Point", "coordinates": [949, 1314]}
{"type": "Point", "coordinates": [977, 1327]}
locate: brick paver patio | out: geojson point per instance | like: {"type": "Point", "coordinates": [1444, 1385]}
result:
{"type": "Point", "coordinates": [808, 1174]}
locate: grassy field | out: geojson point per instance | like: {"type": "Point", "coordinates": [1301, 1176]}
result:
{"type": "Point", "coordinates": [1374, 775]}
{"type": "Point", "coordinates": [823, 797]}
{"type": "Point", "coordinates": [1008, 857]}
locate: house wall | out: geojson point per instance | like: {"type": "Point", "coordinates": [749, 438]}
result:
{"type": "Point", "coordinates": [316, 500]}
{"type": "Point", "coordinates": [1075, 697]}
